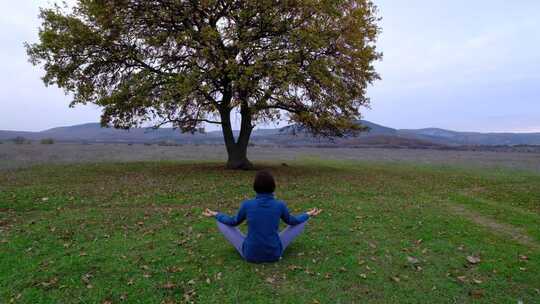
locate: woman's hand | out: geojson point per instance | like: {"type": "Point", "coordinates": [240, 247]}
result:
{"type": "Point", "coordinates": [209, 213]}
{"type": "Point", "coordinates": [314, 212]}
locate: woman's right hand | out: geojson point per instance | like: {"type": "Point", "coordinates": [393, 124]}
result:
{"type": "Point", "coordinates": [209, 213]}
{"type": "Point", "coordinates": [314, 212]}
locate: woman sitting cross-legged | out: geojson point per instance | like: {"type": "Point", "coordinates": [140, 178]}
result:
{"type": "Point", "coordinates": [264, 242]}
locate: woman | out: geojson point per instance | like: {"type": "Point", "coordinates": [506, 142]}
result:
{"type": "Point", "coordinates": [263, 242]}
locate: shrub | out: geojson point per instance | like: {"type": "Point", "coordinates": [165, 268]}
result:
{"type": "Point", "coordinates": [19, 140]}
{"type": "Point", "coordinates": [166, 143]}
{"type": "Point", "coordinates": [47, 141]}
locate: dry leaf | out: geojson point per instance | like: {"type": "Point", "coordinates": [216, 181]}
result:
{"type": "Point", "coordinates": [412, 260]}
{"type": "Point", "coordinates": [473, 259]}
{"type": "Point", "coordinates": [476, 293]}
{"type": "Point", "coordinates": [168, 285]}
{"type": "Point", "coordinates": [523, 257]}
{"type": "Point", "coordinates": [50, 283]}
{"type": "Point", "coordinates": [294, 267]}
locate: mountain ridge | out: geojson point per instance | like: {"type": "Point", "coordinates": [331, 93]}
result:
{"type": "Point", "coordinates": [377, 134]}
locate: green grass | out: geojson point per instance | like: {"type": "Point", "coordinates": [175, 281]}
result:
{"type": "Point", "coordinates": [133, 233]}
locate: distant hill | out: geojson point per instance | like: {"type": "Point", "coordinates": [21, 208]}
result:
{"type": "Point", "coordinates": [472, 138]}
{"type": "Point", "coordinates": [377, 135]}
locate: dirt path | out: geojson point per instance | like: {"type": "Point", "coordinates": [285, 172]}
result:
{"type": "Point", "coordinates": [513, 233]}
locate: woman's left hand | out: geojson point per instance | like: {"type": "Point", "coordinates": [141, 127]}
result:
{"type": "Point", "coordinates": [209, 213]}
{"type": "Point", "coordinates": [314, 212]}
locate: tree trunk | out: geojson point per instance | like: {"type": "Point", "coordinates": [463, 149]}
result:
{"type": "Point", "coordinates": [238, 159]}
{"type": "Point", "coordinates": [237, 150]}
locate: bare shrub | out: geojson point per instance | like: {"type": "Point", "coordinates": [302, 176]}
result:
{"type": "Point", "coordinates": [47, 141]}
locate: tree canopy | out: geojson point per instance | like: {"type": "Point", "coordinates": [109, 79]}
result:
{"type": "Point", "coordinates": [190, 63]}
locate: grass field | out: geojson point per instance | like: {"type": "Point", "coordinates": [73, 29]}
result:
{"type": "Point", "coordinates": [389, 233]}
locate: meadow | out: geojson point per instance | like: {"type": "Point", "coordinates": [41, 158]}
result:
{"type": "Point", "coordinates": [132, 232]}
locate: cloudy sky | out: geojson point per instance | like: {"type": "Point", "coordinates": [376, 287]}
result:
{"type": "Point", "coordinates": [461, 65]}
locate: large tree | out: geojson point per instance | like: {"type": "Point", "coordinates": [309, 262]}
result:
{"type": "Point", "coordinates": [189, 63]}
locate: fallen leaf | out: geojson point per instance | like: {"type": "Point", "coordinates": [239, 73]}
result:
{"type": "Point", "coordinates": [86, 278]}
{"type": "Point", "coordinates": [174, 269]}
{"type": "Point", "coordinates": [523, 257]}
{"type": "Point", "coordinates": [363, 276]}
{"type": "Point", "coordinates": [270, 280]}
{"type": "Point", "coordinates": [168, 285]}
{"type": "Point", "coordinates": [476, 281]}
{"type": "Point", "coordinates": [396, 279]}
{"type": "Point", "coordinates": [412, 260]}
{"type": "Point", "coordinates": [476, 293]}
{"type": "Point", "coordinates": [473, 259]}
{"type": "Point", "coordinates": [294, 267]}
{"type": "Point", "coordinates": [462, 279]}
{"type": "Point", "coordinates": [50, 282]}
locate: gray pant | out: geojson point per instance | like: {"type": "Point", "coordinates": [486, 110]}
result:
{"type": "Point", "coordinates": [236, 237]}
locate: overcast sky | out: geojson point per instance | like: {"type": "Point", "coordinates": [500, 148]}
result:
{"type": "Point", "coordinates": [459, 64]}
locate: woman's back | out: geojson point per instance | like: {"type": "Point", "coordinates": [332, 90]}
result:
{"type": "Point", "coordinates": [263, 214]}
{"type": "Point", "coordinates": [264, 242]}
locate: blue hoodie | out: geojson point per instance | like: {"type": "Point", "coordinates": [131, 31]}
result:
{"type": "Point", "coordinates": [262, 243]}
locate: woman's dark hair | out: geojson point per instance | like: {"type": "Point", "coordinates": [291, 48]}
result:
{"type": "Point", "coordinates": [264, 182]}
